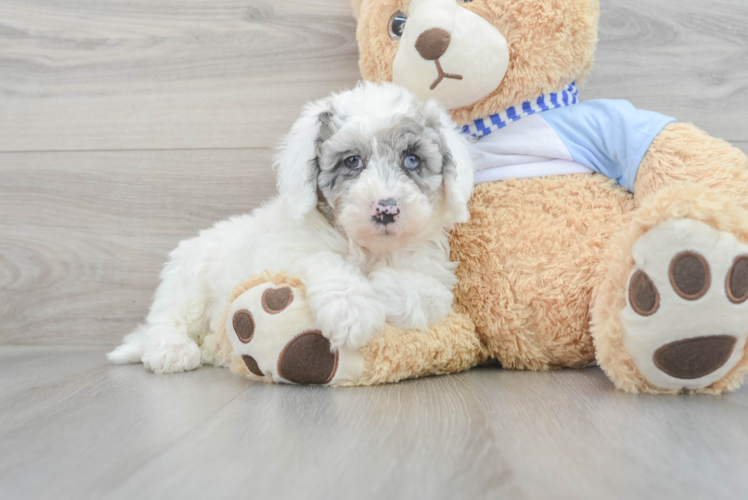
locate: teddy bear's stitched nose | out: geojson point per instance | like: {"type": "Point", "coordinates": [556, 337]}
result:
{"type": "Point", "coordinates": [433, 43]}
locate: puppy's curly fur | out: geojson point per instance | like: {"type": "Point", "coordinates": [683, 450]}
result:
{"type": "Point", "coordinates": [368, 180]}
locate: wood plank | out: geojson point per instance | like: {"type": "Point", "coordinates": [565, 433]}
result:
{"type": "Point", "coordinates": [426, 439]}
{"type": "Point", "coordinates": [483, 434]}
{"type": "Point", "coordinates": [84, 235]}
{"type": "Point", "coordinates": [166, 74]}
{"type": "Point", "coordinates": [686, 59]}
{"type": "Point", "coordinates": [85, 425]}
{"type": "Point", "coordinates": [572, 434]}
{"type": "Point", "coordinates": [201, 74]}
{"type": "Point", "coordinates": [77, 427]}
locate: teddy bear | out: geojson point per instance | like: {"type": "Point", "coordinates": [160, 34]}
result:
{"type": "Point", "coordinates": [598, 232]}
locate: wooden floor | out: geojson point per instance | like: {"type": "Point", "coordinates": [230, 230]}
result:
{"type": "Point", "coordinates": [128, 125]}
{"type": "Point", "coordinates": [72, 426]}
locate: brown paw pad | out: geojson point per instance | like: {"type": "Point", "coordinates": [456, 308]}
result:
{"type": "Point", "coordinates": [244, 325]}
{"type": "Point", "coordinates": [276, 300]}
{"type": "Point", "coordinates": [737, 280]}
{"type": "Point", "coordinates": [252, 366]}
{"type": "Point", "coordinates": [696, 357]}
{"type": "Point", "coordinates": [690, 275]}
{"type": "Point", "coordinates": [307, 359]}
{"type": "Point", "coordinates": [643, 294]}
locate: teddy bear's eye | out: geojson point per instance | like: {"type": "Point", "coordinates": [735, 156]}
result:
{"type": "Point", "coordinates": [397, 24]}
{"type": "Point", "coordinates": [464, 1]}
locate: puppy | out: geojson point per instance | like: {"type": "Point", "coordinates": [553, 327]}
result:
{"type": "Point", "coordinates": [369, 181]}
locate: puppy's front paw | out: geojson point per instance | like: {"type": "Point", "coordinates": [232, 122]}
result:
{"type": "Point", "coordinates": [411, 301]}
{"type": "Point", "coordinates": [170, 352]}
{"type": "Point", "coordinates": [351, 321]}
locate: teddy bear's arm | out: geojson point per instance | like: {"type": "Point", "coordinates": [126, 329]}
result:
{"type": "Point", "coordinates": [682, 152]}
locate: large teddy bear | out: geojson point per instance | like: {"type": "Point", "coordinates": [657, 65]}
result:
{"type": "Point", "coordinates": [598, 232]}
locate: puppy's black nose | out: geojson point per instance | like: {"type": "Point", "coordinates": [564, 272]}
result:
{"type": "Point", "coordinates": [385, 211]}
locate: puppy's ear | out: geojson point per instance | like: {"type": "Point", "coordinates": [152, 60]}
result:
{"type": "Point", "coordinates": [296, 161]}
{"type": "Point", "coordinates": [458, 167]}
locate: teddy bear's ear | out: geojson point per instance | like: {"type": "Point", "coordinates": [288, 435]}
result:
{"type": "Point", "coordinates": [356, 8]}
{"type": "Point", "coordinates": [296, 160]}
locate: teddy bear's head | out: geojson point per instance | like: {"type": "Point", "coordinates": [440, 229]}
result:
{"type": "Point", "coordinates": [477, 57]}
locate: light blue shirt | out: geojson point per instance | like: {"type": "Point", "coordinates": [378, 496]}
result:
{"type": "Point", "coordinates": [609, 137]}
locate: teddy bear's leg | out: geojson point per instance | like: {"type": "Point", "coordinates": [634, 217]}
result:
{"type": "Point", "coordinates": [682, 152]}
{"type": "Point", "coordinates": [269, 333]}
{"type": "Point", "coordinates": [672, 314]}
{"type": "Point", "coordinates": [451, 346]}
{"type": "Point", "coordinates": [275, 338]}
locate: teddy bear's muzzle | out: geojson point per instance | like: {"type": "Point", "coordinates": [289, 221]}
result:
{"type": "Point", "coordinates": [431, 45]}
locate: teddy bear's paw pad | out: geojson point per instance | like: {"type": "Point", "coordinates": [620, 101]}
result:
{"type": "Point", "coordinates": [276, 300]}
{"type": "Point", "coordinates": [737, 280]}
{"type": "Point", "coordinates": [273, 331]}
{"type": "Point", "coordinates": [244, 326]}
{"type": "Point", "coordinates": [694, 358]}
{"type": "Point", "coordinates": [686, 318]}
{"type": "Point", "coordinates": [308, 359]}
{"type": "Point", "coordinates": [252, 365]}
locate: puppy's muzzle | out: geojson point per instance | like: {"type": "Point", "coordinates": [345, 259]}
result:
{"type": "Point", "coordinates": [385, 212]}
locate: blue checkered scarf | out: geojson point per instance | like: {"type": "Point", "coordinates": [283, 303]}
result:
{"type": "Point", "coordinates": [484, 126]}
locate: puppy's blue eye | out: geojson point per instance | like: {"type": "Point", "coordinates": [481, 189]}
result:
{"type": "Point", "coordinates": [412, 162]}
{"type": "Point", "coordinates": [353, 162]}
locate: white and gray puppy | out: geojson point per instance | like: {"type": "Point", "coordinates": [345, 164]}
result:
{"type": "Point", "coordinates": [369, 180]}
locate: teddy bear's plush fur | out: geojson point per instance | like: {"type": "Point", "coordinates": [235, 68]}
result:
{"type": "Point", "coordinates": [545, 263]}
{"type": "Point", "coordinates": [550, 269]}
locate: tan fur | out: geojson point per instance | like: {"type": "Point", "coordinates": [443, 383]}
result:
{"type": "Point", "coordinates": [377, 50]}
{"type": "Point", "coordinates": [448, 347]}
{"type": "Point", "coordinates": [551, 43]}
{"type": "Point", "coordinates": [530, 261]}
{"type": "Point", "coordinates": [682, 152]}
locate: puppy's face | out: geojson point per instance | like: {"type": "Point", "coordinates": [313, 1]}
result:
{"type": "Point", "coordinates": [386, 169]}
{"type": "Point", "coordinates": [382, 185]}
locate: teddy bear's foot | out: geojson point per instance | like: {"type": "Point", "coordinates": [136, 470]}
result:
{"type": "Point", "coordinates": [274, 335]}
{"type": "Point", "coordinates": [686, 320]}
{"type": "Point", "coordinates": [672, 315]}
